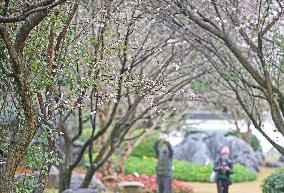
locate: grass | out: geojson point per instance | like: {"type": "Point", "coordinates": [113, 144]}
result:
{"type": "Point", "coordinates": [50, 191]}
{"type": "Point", "coordinates": [251, 187]}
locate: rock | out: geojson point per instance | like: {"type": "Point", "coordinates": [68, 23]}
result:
{"type": "Point", "coordinates": [260, 157]}
{"type": "Point", "coordinates": [131, 187]}
{"type": "Point", "coordinates": [130, 184]}
{"type": "Point", "coordinates": [96, 184]}
{"type": "Point", "coordinates": [281, 158]}
{"type": "Point", "coordinates": [76, 148]}
{"type": "Point", "coordinates": [82, 190]}
{"type": "Point", "coordinates": [242, 153]}
{"type": "Point", "coordinates": [274, 164]}
{"type": "Point", "coordinates": [215, 142]}
{"type": "Point", "coordinates": [201, 158]}
{"type": "Point", "coordinates": [187, 150]}
{"type": "Point", "coordinates": [198, 137]}
{"type": "Point", "coordinates": [78, 144]}
{"type": "Point", "coordinates": [76, 180]}
{"type": "Point", "coordinates": [204, 148]}
{"type": "Point", "coordinates": [53, 178]}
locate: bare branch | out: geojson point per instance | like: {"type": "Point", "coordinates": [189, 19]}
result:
{"type": "Point", "coordinates": [44, 5]}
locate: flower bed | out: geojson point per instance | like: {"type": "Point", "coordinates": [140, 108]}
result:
{"type": "Point", "coordinates": [151, 184]}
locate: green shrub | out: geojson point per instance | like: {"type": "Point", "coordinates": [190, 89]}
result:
{"type": "Point", "coordinates": [86, 133]}
{"type": "Point", "coordinates": [146, 147]}
{"type": "Point", "coordinates": [26, 184]}
{"type": "Point", "coordinates": [241, 174]}
{"type": "Point", "coordinates": [185, 171]}
{"type": "Point", "coordinates": [255, 143]}
{"type": "Point", "coordinates": [142, 166]}
{"type": "Point", "coordinates": [274, 183]}
{"type": "Point", "coordinates": [233, 133]}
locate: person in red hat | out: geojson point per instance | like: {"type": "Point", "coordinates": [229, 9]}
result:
{"type": "Point", "coordinates": [224, 168]}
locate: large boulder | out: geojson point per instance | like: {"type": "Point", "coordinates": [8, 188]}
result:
{"type": "Point", "coordinates": [201, 158]}
{"type": "Point", "coordinates": [96, 184]}
{"type": "Point", "coordinates": [215, 142]}
{"type": "Point", "coordinates": [203, 148]}
{"type": "Point", "coordinates": [242, 153]}
{"type": "Point", "coordinates": [76, 148]}
{"type": "Point", "coordinates": [76, 180]}
{"type": "Point", "coordinates": [260, 156]}
{"type": "Point", "coordinates": [193, 149]}
{"type": "Point", "coordinates": [82, 190]}
{"type": "Point", "coordinates": [274, 164]}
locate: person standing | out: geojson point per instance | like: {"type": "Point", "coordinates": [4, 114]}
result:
{"type": "Point", "coordinates": [164, 168]}
{"type": "Point", "coordinates": [224, 168]}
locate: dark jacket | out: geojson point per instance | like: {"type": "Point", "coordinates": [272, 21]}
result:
{"type": "Point", "coordinates": [165, 159]}
{"type": "Point", "coordinates": [223, 175]}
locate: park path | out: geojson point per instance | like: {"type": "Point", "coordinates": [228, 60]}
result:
{"type": "Point", "coordinates": [244, 187]}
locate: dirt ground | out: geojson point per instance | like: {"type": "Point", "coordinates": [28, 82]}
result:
{"type": "Point", "coordinates": [244, 187]}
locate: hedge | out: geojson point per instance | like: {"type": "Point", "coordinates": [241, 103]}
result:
{"type": "Point", "coordinates": [146, 147]}
{"type": "Point", "coordinates": [185, 171]}
{"type": "Point", "coordinates": [274, 183]}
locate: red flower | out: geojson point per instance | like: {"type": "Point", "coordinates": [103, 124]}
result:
{"type": "Point", "coordinates": [151, 184]}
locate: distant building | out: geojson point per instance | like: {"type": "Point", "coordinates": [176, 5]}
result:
{"type": "Point", "coordinates": [207, 115]}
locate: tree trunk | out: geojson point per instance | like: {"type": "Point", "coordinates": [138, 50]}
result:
{"type": "Point", "coordinates": [8, 170]}
{"type": "Point", "coordinates": [64, 179]}
{"type": "Point", "coordinates": [93, 168]}
{"type": "Point", "coordinates": [88, 178]}
{"type": "Point", "coordinates": [65, 172]}
{"type": "Point", "coordinates": [7, 184]}
{"type": "Point", "coordinates": [23, 136]}
{"type": "Point", "coordinates": [126, 152]}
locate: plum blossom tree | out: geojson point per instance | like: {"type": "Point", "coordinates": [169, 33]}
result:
{"type": "Point", "coordinates": [243, 41]}
{"type": "Point", "coordinates": [136, 72]}
{"type": "Point", "coordinates": [106, 65]}
{"type": "Point", "coordinates": [18, 22]}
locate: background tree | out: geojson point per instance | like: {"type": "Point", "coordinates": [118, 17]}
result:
{"type": "Point", "coordinates": [243, 41]}
{"type": "Point", "coordinates": [128, 71]}
{"type": "Point", "coordinates": [216, 96]}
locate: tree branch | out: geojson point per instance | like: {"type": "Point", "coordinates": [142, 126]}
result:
{"type": "Point", "coordinates": [39, 7]}
{"type": "Point", "coordinates": [26, 28]}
